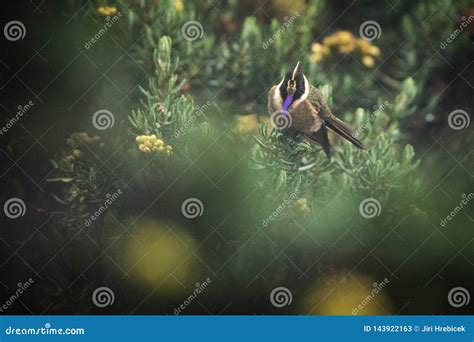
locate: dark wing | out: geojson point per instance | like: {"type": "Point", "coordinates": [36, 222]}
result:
{"type": "Point", "coordinates": [319, 102]}
{"type": "Point", "coordinates": [320, 137]}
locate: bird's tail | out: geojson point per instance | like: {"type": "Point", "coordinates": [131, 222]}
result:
{"type": "Point", "coordinates": [343, 130]}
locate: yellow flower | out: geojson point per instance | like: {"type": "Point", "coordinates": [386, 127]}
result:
{"type": "Point", "coordinates": [344, 37]}
{"type": "Point", "coordinates": [373, 50]}
{"type": "Point", "coordinates": [365, 47]}
{"type": "Point", "coordinates": [346, 48]}
{"type": "Point", "coordinates": [302, 206]}
{"type": "Point", "coordinates": [76, 153]}
{"type": "Point", "coordinates": [319, 52]}
{"type": "Point", "coordinates": [150, 143]}
{"type": "Point", "coordinates": [368, 61]}
{"type": "Point", "coordinates": [320, 49]}
{"type": "Point", "coordinates": [330, 40]}
{"type": "Point", "coordinates": [178, 5]}
{"type": "Point", "coordinates": [107, 11]}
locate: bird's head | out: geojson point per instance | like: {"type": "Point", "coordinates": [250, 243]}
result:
{"type": "Point", "coordinates": [293, 85]}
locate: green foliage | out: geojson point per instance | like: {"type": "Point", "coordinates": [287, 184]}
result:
{"type": "Point", "coordinates": [165, 109]}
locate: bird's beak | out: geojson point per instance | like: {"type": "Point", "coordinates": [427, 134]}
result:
{"type": "Point", "coordinates": [292, 82]}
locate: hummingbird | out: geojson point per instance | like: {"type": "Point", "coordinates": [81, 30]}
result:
{"type": "Point", "coordinates": [294, 103]}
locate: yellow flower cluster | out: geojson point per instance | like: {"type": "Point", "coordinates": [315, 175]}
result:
{"type": "Point", "coordinates": [178, 5]}
{"type": "Point", "coordinates": [150, 143]}
{"type": "Point", "coordinates": [78, 138]}
{"type": "Point", "coordinates": [345, 42]}
{"type": "Point", "coordinates": [302, 206]}
{"type": "Point", "coordinates": [107, 11]}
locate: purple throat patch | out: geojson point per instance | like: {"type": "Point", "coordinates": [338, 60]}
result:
{"type": "Point", "coordinates": [287, 102]}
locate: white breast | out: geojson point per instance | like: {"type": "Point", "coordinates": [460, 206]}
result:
{"type": "Point", "coordinates": [277, 101]}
